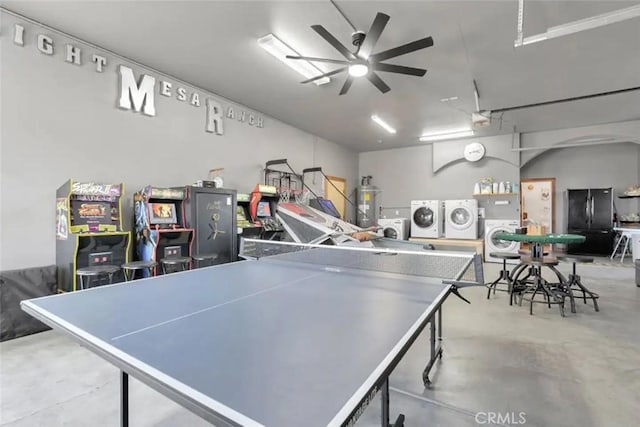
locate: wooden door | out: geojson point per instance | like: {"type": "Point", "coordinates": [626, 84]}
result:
{"type": "Point", "coordinates": [537, 204]}
{"type": "Point", "coordinates": [332, 192]}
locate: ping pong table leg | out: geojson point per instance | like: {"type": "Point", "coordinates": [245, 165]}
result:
{"type": "Point", "coordinates": [384, 394]}
{"type": "Point", "coordinates": [432, 339]}
{"type": "Point", "coordinates": [436, 350]}
{"type": "Point", "coordinates": [440, 331]}
{"type": "Point", "coordinates": [124, 399]}
{"type": "Point", "coordinates": [385, 403]}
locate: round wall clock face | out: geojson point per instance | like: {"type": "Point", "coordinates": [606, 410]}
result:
{"type": "Point", "coordinates": [474, 151]}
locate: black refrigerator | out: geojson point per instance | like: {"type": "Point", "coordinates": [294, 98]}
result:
{"type": "Point", "coordinates": [591, 215]}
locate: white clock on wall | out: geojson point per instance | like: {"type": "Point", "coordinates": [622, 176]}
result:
{"type": "Point", "coordinates": [474, 151]}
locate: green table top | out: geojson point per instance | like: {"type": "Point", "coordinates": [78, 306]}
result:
{"type": "Point", "coordinates": [544, 238]}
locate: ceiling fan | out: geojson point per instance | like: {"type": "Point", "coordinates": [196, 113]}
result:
{"type": "Point", "coordinates": [362, 62]}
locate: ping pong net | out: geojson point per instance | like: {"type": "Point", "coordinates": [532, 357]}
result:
{"type": "Point", "coordinates": [457, 266]}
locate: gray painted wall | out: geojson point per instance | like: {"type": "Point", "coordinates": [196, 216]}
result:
{"type": "Point", "coordinates": [405, 174]}
{"type": "Point", "coordinates": [614, 132]}
{"type": "Point", "coordinates": [60, 121]}
{"type": "Point", "coordinates": [612, 165]}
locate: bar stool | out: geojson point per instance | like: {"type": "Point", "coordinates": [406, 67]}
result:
{"type": "Point", "coordinates": [574, 282]}
{"type": "Point", "coordinates": [96, 271]}
{"type": "Point", "coordinates": [200, 258]}
{"type": "Point", "coordinates": [553, 293]}
{"type": "Point", "coordinates": [129, 269]}
{"type": "Point", "coordinates": [181, 263]}
{"type": "Point", "coordinates": [523, 282]}
{"type": "Point", "coordinates": [504, 273]}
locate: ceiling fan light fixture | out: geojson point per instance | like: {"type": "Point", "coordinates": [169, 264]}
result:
{"type": "Point", "coordinates": [280, 50]}
{"type": "Point", "coordinates": [450, 134]}
{"type": "Point", "coordinates": [358, 70]}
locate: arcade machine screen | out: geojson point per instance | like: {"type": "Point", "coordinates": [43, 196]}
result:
{"type": "Point", "coordinates": [264, 210]}
{"type": "Point", "coordinates": [92, 213]}
{"type": "Point", "coordinates": [162, 213]}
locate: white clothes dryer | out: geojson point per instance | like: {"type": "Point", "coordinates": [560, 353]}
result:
{"type": "Point", "coordinates": [491, 244]}
{"type": "Point", "coordinates": [461, 219]}
{"type": "Point", "coordinates": [427, 218]}
{"type": "Point", "coordinates": [394, 228]}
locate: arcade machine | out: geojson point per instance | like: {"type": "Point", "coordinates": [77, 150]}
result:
{"type": "Point", "coordinates": [263, 206]}
{"type": "Point", "coordinates": [89, 231]}
{"type": "Point", "coordinates": [211, 212]}
{"type": "Point", "coordinates": [246, 227]}
{"type": "Point", "coordinates": [161, 230]}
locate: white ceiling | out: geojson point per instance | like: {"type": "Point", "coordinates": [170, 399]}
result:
{"type": "Point", "coordinates": [212, 44]}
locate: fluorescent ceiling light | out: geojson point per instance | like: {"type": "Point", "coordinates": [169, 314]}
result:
{"type": "Point", "coordinates": [450, 134]}
{"type": "Point", "coordinates": [583, 24]}
{"type": "Point", "coordinates": [383, 124]}
{"type": "Point", "coordinates": [358, 70]}
{"type": "Point", "coordinates": [280, 50]}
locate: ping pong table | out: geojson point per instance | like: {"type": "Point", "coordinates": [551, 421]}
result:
{"type": "Point", "coordinates": [295, 335]}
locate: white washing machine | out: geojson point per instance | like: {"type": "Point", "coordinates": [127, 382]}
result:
{"type": "Point", "coordinates": [394, 228]}
{"type": "Point", "coordinates": [491, 244]}
{"type": "Point", "coordinates": [427, 218]}
{"type": "Point", "coordinates": [461, 219]}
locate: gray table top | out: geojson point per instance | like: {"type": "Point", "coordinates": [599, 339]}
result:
{"type": "Point", "coordinates": [256, 342]}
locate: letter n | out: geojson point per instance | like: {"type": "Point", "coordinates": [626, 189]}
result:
{"type": "Point", "coordinates": [134, 95]}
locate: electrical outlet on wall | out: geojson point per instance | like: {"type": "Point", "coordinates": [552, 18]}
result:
{"type": "Point", "coordinates": [481, 212]}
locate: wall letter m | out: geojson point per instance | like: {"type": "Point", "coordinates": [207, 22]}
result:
{"type": "Point", "coordinates": [134, 95]}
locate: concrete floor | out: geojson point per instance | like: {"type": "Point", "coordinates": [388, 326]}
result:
{"type": "Point", "coordinates": [582, 370]}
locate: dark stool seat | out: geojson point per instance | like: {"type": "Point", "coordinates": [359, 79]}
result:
{"type": "Point", "coordinates": [504, 255]}
{"type": "Point", "coordinates": [180, 262]}
{"type": "Point", "coordinates": [201, 258]}
{"type": "Point", "coordinates": [129, 269]}
{"type": "Point", "coordinates": [86, 273]}
{"type": "Point", "coordinates": [545, 261]}
{"type": "Point", "coordinates": [527, 252]}
{"type": "Point", "coordinates": [574, 283]}
{"type": "Point", "coordinates": [505, 275]}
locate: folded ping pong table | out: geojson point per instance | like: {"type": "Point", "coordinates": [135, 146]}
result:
{"type": "Point", "coordinates": [297, 335]}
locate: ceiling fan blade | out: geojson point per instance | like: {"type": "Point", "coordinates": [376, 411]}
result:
{"type": "Point", "coordinates": [312, 59]}
{"type": "Point", "coordinates": [333, 41]}
{"type": "Point", "coordinates": [330, 73]}
{"type": "Point", "coordinates": [347, 85]}
{"type": "Point", "coordinates": [373, 35]}
{"type": "Point", "coordinates": [377, 82]}
{"type": "Point", "coordinates": [391, 68]}
{"type": "Point", "coordinates": [402, 50]}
